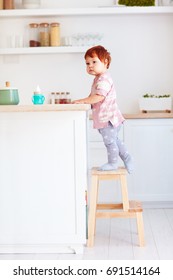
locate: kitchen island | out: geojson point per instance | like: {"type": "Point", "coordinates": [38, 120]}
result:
{"type": "Point", "coordinates": [43, 178]}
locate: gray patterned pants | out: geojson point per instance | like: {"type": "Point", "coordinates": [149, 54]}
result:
{"type": "Point", "coordinates": [115, 147]}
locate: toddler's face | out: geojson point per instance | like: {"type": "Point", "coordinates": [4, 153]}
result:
{"type": "Point", "coordinates": [95, 66]}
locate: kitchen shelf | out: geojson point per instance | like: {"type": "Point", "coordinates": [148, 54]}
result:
{"type": "Point", "coordinates": [43, 50]}
{"type": "Point", "coordinates": [86, 11]}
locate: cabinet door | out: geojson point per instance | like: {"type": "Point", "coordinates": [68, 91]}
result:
{"type": "Point", "coordinates": [151, 144]}
{"type": "Point", "coordinates": [42, 178]}
{"type": "Point", "coordinates": [109, 190]}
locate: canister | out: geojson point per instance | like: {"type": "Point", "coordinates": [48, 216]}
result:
{"type": "Point", "coordinates": [8, 4]}
{"type": "Point", "coordinates": [1, 4]}
{"type": "Point", "coordinates": [9, 95]}
{"type": "Point", "coordinates": [33, 36]}
{"type": "Point", "coordinates": [44, 34]}
{"type": "Point", "coordinates": [54, 34]}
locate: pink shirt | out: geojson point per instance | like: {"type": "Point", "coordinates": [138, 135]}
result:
{"type": "Point", "coordinates": [106, 110]}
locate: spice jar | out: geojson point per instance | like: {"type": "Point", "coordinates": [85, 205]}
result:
{"type": "Point", "coordinates": [57, 98]}
{"type": "Point", "coordinates": [8, 4]}
{"type": "Point", "coordinates": [30, 4]}
{"type": "Point", "coordinates": [34, 41]}
{"type": "Point", "coordinates": [68, 101]}
{"type": "Point", "coordinates": [63, 98]}
{"type": "Point", "coordinates": [52, 98]}
{"type": "Point", "coordinates": [44, 34]}
{"type": "Point", "coordinates": [1, 4]}
{"type": "Point", "coordinates": [55, 34]}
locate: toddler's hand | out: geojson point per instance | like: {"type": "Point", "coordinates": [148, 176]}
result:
{"type": "Point", "coordinates": [79, 101]}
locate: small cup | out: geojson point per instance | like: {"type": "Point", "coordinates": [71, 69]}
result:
{"type": "Point", "coordinates": [38, 99]}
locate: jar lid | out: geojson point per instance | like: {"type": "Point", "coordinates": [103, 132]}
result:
{"type": "Point", "coordinates": [7, 86]}
{"type": "Point", "coordinates": [33, 25]}
{"type": "Point", "coordinates": [53, 24]}
{"type": "Point", "coordinates": [44, 24]}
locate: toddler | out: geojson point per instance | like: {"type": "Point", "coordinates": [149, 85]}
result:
{"type": "Point", "coordinates": [107, 117]}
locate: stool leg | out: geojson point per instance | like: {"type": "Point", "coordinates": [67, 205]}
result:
{"type": "Point", "coordinates": [140, 226]}
{"type": "Point", "coordinates": [124, 190]}
{"type": "Point", "coordinates": [92, 211]}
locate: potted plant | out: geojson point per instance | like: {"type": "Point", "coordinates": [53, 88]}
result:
{"type": "Point", "coordinates": [151, 102]}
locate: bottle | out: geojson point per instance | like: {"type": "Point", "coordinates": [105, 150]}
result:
{"type": "Point", "coordinates": [34, 41]}
{"type": "Point", "coordinates": [54, 34]}
{"type": "Point", "coordinates": [52, 98]}
{"type": "Point", "coordinates": [8, 4]}
{"type": "Point", "coordinates": [57, 98]}
{"type": "Point", "coordinates": [1, 4]}
{"type": "Point", "coordinates": [68, 101]}
{"type": "Point", "coordinates": [63, 98]}
{"type": "Point", "coordinates": [44, 34]}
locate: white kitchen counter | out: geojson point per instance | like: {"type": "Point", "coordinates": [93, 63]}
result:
{"type": "Point", "coordinates": [44, 108]}
{"type": "Point", "coordinates": [43, 178]}
{"type": "Point", "coordinates": [150, 115]}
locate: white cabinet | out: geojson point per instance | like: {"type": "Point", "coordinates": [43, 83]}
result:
{"type": "Point", "coordinates": [43, 179]}
{"type": "Point", "coordinates": [150, 141]}
{"type": "Point", "coordinates": [109, 190]}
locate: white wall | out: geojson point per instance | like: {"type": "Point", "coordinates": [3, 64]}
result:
{"type": "Point", "coordinates": [141, 47]}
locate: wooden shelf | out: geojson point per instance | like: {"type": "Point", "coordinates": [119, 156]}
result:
{"type": "Point", "coordinates": [43, 50]}
{"type": "Point", "coordinates": [86, 11]}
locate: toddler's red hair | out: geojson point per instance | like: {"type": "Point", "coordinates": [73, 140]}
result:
{"type": "Point", "coordinates": [100, 52]}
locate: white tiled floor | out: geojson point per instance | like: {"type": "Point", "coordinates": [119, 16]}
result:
{"type": "Point", "coordinates": [117, 239]}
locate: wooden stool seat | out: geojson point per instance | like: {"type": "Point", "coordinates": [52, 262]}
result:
{"type": "Point", "coordinates": [126, 209]}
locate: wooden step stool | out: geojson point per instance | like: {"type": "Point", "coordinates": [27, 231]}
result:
{"type": "Point", "coordinates": [130, 209]}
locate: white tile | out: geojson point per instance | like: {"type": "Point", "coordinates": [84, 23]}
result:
{"type": "Point", "coordinates": [149, 251]}
{"type": "Point", "coordinates": [17, 256]}
{"type": "Point", "coordinates": [101, 242]}
{"type": "Point", "coordinates": [117, 238]}
{"type": "Point", "coordinates": [120, 246]}
{"type": "Point", "coordinates": [162, 233]}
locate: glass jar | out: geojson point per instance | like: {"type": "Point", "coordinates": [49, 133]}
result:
{"type": "Point", "coordinates": [57, 98]}
{"type": "Point", "coordinates": [55, 34]}
{"type": "Point", "coordinates": [1, 4]}
{"type": "Point", "coordinates": [44, 34]}
{"type": "Point", "coordinates": [8, 4]}
{"type": "Point", "coordinates": [33, 36]}
{"type": "Point", "coordinates": [30, 4]}
{"type": "Point", "coordinates": [63, 98]}
{"type": "Point", "coordinates": [68, 101]}
{"type": "Point", "coordinates": [52, 98]}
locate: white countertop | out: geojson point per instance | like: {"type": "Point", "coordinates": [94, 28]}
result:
{"type": "Point", "coordinates": [44, 108]}
{"type": "Point", "coordinates": [150, 115]}
{"type": "Point", "coordinates": [78, 107]}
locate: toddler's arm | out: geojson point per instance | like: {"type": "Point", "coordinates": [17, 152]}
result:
{"type": "Point", "coordinates": [91, 99]}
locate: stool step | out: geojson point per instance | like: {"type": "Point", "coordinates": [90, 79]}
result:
{"type": "Point", "coordinates": [134, 206]}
